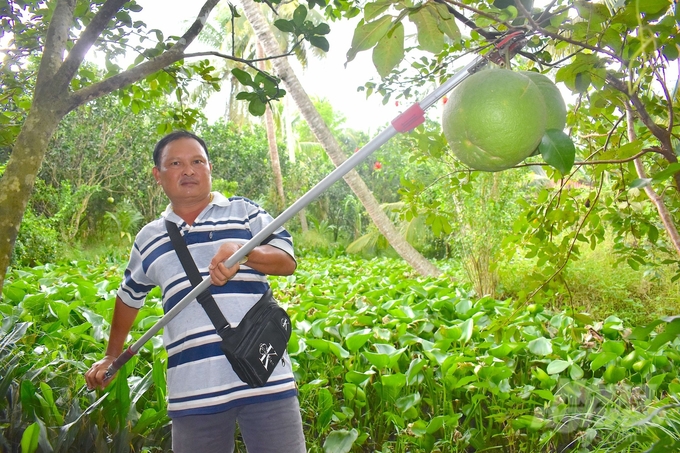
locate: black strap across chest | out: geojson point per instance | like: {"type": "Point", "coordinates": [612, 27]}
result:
{"type": "Point", "coordinates": [205, 298]}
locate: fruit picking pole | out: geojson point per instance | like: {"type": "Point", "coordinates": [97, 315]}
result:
{"type": "Point", "coordinates": [405, 122]}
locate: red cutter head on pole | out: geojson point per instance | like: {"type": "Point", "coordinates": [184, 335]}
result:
{"type": "Point", "coordinates": [506, 47]}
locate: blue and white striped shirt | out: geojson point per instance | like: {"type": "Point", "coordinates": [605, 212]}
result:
{"type": "Point", "coordinates": [200, 378]}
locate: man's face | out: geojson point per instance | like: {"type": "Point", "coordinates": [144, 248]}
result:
{"type": "Point", "coordinates": [184, 171]}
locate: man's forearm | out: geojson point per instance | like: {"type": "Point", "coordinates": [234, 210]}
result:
{"type": "Point", "coordinates": [271, 260]}
{"type": "Point", "coordinates": [123, 318]}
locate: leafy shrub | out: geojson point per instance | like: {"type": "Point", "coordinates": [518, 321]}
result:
{"type": "Point", "coordinates": [37, 243]}
{"type": "Point", "coordinates": [123, 221]}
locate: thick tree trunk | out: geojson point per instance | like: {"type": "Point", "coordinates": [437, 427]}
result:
{"type": "Point", "coordinates": [16, 184]}
{"type": "Point", "coordinates": [325, 137]}
{"type": "Point", "coordinates": [52, 100]}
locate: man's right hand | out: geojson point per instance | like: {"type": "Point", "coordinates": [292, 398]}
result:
{"type": "Point", "coordinates": [96, 374]}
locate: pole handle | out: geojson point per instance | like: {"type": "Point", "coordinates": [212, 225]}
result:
{"type": "Point", "coordinates": [118, 363]}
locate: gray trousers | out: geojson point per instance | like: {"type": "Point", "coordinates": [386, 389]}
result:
{"type": "Point", "coordinates": [271, 427]}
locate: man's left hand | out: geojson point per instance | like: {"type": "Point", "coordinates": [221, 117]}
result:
{"type": "Point", "coordinates": [219, 273]}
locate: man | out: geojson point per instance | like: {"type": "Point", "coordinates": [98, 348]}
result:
{"type": "Point", "coordinates": [205, 397]}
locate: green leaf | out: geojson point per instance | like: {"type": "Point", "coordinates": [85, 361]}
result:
{"type": "Point", "coordinates": [430, 37]}
{"type": "Point", "coordinates": [652, 234]}
{"type": "Point", "coordinates": [600, 359]}
{"type": "Point", "coordinates": [299, 15]}
{"type": "Point", "coordinates": [558, 150]}
{"type": "Point", "coordinates": [340, 441]}
{"type": "Point", "coordinates": [528, 422]}
{"type": "Point", "coordinates": [320, 42]}
{"type": "Point", "coordinates": [594, 13]}
{"type": "Point", "coordinates": [380, 361]}
{"type": "Point", "coordinates": [651, 6]}
{"type": "Point", "coordinates": [49, 399]}
{"type": "Point", "coordinates": [414, 368]}
{"type": "Point", "coordinates": [393, 380]}
{"type": "Point", "coordinates": [669, 171]}
{"type": "Point", "coordinates": [407, 402]}
{"type": "Point", "coordinates": [322, 29]}
{"type": "Point", "coordinates": [576, 372]}
{"type": "Point", "coordinates": [257, 107]}
{"type": "Point", "coordinates": [627, 150]}
{"type": "Point", "coordinates": [447, 24]}
{"type": "Point", "coordinates": [670, 333]}
{"type": "Point", "coordinates": [367, 35]}
{"type": "Point", "coordinates": [324, 409]}
{"type": "Point", "coordinates": [243, 77]}
{"type": "Point", "coordinates": [463, 307]}
{"type": "Point", "coordinates": [357, 378]}
{"type": "Point", "coordinates": [615, 347]}
{"type": "Point", "coordinates": [390, 51]}
{"type": "Point", "coordinates": [540, 346]}
{"type": "Point", "coordinates": [581, 82]}
{"type": "Point", "coordinates": [656, 381]}
{"type": "Point", "coordinates": [557, 366]}
{"type": "Point", "coordinates": [357, 339]}
{"type": "Point", "coordinates": [501, 350]}
{"type": "Point", "coordinates": [374, 9]}
{"type": "Point", "coordinates": [124, 17]}
{"type": "Point", "coordinates": [545, 394]}
{"type": "Point", "coordinates": [286, 26]}
{"type": "Point", "coordinates": [14, 292]}
{"type": "Point", "coordinates": [30, 438]}
{"type": "Point", "coordinates": [467, 328]}
{"type": "Point", "coordinates": [614, 374]}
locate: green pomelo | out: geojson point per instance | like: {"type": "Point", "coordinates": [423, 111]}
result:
{"type": "Point", "coordinates": [494, 119]}
{"type": "Point", "coordinates": [555, 107]}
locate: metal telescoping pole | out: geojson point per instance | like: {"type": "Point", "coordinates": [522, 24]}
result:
{"type": "Point", "coordinates": [405, 122]}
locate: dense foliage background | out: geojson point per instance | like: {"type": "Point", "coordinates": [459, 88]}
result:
{"type": "Point", "coordinates": [553, 326]}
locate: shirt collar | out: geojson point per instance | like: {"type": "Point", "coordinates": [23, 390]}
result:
{"type": "Point", "coordinates": [218, 199]}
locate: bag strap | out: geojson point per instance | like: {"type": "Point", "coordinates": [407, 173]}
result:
{"type": "Point", "coordinates": [205, 298]}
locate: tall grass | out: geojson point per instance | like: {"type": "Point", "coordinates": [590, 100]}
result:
{"type": "Point", "coordinates": [596, 283]}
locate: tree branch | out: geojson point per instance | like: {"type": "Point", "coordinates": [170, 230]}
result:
{"type": "Point", "coordinates": [660, 133]}
{"type": "Point", "coordinates": [663, 135]}
{"type": "Point", "coordinates": [87, 38]}
{"type": "Point", "coordinates": [597, 162]}
{"type": "Point", "coordinates": [657, 201]}
{"type": "Point", "coordinates": [667, 95]}
{"type": "Point", "coordinates": [170, 56]}
{"type": "Point", "coordinates": [55, 41]}
{"type": "Point", "coordinates": [251, 62]}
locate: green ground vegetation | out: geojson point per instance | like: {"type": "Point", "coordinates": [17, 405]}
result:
{"type": "Point", "coordinates": [385, 360]}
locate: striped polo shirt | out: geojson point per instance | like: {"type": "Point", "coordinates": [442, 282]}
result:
{"type": "Point", "coordinates": [200, 378]}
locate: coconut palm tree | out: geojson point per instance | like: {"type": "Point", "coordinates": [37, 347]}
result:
{"type": "Point", "coordinates": [233, 34]}
{"type": "Point", "coordinates": [285, 72]}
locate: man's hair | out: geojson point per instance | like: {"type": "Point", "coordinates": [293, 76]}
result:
{"type": "Point", "coordinates": [171, 137]}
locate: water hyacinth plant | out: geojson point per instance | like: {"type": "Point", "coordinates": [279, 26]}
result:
{"type": "Point", "coordinates": [385, 361]}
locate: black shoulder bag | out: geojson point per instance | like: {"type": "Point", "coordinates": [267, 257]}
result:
{"type": "Point", "coordinates": [256, 345]}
